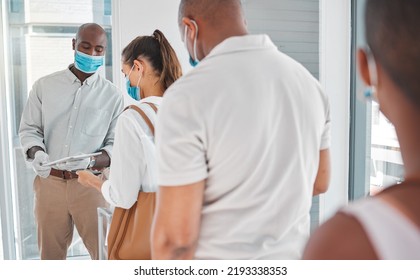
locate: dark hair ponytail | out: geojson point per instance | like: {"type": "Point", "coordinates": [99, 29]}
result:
{"type": "Point", "coordinates": [171, 68]}
{"type": "Point", "coordinates": [157, 50]}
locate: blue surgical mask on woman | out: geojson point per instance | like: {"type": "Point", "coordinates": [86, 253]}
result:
{"type": "Point", "coordinates": [133, 92]}
{"type": "Point", "coordinates": [88, 63]}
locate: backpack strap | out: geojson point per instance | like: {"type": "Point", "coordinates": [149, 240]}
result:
{"type": "Point", "coordinates": [152, 105]}
{"type": "Point", "coordinates": [144, 116]}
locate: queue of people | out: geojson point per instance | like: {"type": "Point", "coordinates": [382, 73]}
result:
{"type": "Point", "coordinates": [241, 142]}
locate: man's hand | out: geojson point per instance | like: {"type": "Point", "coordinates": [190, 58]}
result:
{"type": "Point", "coordinates": [40, 159]}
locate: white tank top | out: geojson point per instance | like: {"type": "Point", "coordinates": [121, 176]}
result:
{"type": "Point", "coordinates": [392, 235]}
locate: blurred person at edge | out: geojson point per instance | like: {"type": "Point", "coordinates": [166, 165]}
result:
{"type": "Point", "coordinates": [387, 225]}
{"type": "Point", "coordinates": [70, 112]}
{"type": "Point", "coordinates": [242, 143]}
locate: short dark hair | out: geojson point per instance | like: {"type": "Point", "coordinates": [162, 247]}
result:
{"type": "Point", "coordinates": [157, 50]}
{"type": "Point", "coordinates": [393, 34]}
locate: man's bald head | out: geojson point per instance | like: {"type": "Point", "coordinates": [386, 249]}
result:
{"type": "Point", "coordinates": [91, 30]}
{"type": "Point", "coordinates": [211, 11]}
{"type": "Point", "coordinates": [207, 23]}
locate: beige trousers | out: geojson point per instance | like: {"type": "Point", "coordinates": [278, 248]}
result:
{"type": "Point", "coordinates": [59, 205]}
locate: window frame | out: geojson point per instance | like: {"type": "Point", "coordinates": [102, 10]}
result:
{"type": "Point", "coordinates": [360, 114]}
{"type": "Point", "coordinates": [6, 161]}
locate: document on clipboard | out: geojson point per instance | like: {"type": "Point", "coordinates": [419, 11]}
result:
{"type": "Point", "coordinates": [71, 158]}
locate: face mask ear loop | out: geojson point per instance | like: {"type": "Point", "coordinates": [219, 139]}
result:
{"type": "Point", "coordinates": [141, 75]}
{"type": "Point", "coordinates": [138, 81]}
{"type": "Point", "coordinates": [195, 41]}
{"type": "Point", "coordinates": [185, 37]}
{"type": "Point", "coordinates": [129, 73]}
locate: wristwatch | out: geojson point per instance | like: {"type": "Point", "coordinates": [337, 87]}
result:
{"type": "Point", "coordinates": [92, 162]}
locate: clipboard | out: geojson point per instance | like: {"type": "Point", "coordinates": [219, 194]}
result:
{"type": "Point", "coordinates": [71, 158]}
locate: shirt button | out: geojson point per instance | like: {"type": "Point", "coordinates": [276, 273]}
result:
{"type": "Point", "coordinates": [70, 126]}
{"type": "Point", "coordinates": [66, 146]}
{"type": "Point", "coordinates": [75, 108]}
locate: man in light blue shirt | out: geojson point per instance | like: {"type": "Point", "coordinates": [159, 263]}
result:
{"type": "Point", "coordinates": [70, 112]}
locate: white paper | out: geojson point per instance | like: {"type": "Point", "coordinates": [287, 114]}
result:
{"type": "Point", "coordinates": [71, 158]}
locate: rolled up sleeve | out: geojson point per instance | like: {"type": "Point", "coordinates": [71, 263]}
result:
{"type": "Point", "coordinates": [31, 130]}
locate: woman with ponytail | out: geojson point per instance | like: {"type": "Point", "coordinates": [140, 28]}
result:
{"type": "Point", "coordinates": [150, 66]}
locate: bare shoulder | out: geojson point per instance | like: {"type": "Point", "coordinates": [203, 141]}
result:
{"type": "Point", "coordinates": [340, 238]}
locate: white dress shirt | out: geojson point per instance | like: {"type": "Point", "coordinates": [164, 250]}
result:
{"type": "Point", "coordinates": [65, 117]}
{"type": "Point", "coordinates": [133, 165]}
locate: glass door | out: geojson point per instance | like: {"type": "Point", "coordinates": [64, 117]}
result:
{"type": "Point", "coordinates": [38, 42]}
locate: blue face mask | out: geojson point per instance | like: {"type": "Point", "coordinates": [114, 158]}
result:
{"type": "Point", "coordinates": [193, 61]}
{"type": "Point", "coordinates": [88, 63]}
{"type": "Point", "coordinates": [133, 92]}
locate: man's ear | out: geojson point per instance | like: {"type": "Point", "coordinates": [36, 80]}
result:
{"type": "Point", "coordinates": [362, 61]}
{"type": "Point", "coordinates": [73, 42]}
{"type": "Point", "coordinates": [191, 26]}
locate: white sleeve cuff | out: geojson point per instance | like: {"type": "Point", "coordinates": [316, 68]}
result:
{"type": "Point", "coordinates": [105, 189]}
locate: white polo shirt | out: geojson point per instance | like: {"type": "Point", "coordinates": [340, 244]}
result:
{"type": "Point", "coordinates": [250, 121]}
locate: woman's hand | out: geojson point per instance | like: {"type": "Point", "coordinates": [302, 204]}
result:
{"type": "Point", "coordinates": [88, 179]}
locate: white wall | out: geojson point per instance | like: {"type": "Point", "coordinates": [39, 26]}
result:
{"type": "Point", "coordinates": [132, 18]}
{"type": "Point", "coordinates": [335, 46]}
